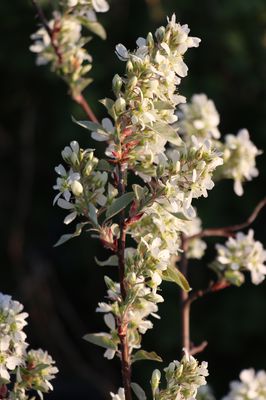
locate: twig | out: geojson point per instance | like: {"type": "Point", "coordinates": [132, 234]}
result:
{"type": "Point", "coordinates": [198, 349]}
{"type": "Point", "coordinates": [51, 32]}
{"type": "Point", "coordinates": [184, 303]}
{"type": "Point", "coordinates": [122, 329]}
{"type": "Point", "coordinates": [78, 98]}
{"type": "Point", "coordinates": [228, 231]}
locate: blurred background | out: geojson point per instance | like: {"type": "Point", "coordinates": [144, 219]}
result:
{"type": "Point", "coordinates": [60, 287]}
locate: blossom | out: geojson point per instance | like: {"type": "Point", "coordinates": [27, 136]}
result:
{"type": "Point", "coordinates": [199, 118]}
{"type": "Point", "coordinates": [119, 396]}
{"type": "Point", "coordinates": [66, 53]}
{"type": "Point", "coordinates": [239, 159]}
{"type": "Point", "coordinates": [252, 385]}
{"type": "Point", "coordinates": [12, 319]}
{"type": "Point", "coordinates": [238, 255]}
{"type": "Point", "coordinates": [10, 356]}
{"type": "Point", "coordinates": [147, 96]}
{"type": "Point", "coordinates": [183, 378]}
{"type": "Point", "coordinates": [39, 378]}
{"type": "Point", "coordinates": [196, 247]}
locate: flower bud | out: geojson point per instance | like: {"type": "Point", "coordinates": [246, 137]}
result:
{"type": "Point", "coordinates": [160, 33]}
{"type": "Point", "coordinates": [155, 380]}
{"type": "Point", "coordinates": [149, 40]}
{"type": "Point", "coordinates": [76, 188]}
{"type": "Point", "coordinates": [132, 82]}
{"type": "Point", "coordinates": [129, 67]}
{"type": "Point", "coordinates": [117, 84]}
{"type": "Point", "coordinates": [120, 105]}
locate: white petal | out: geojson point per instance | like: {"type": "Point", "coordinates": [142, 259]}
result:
{"type": "Point", "coordinates": [70, 217]}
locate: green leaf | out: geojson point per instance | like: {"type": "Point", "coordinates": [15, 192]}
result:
{"type": "Point", "coordinates": [172, 274]}
{"type": "Point", "coordinates": [111, 261]}
{"type": "Point", "coordinates": [100, 339]}
{"type": "Point", "coordinates": [68, 236]}
{"type": "Point", "coordinates": [182, 216]}
{"type": "Point", "coordinates": [119, 204]}
{"type": "Point", "coordinates": [93, 215]}
{"type": "Point", "coordinates": [108, 104]}
{"type": "Point", "coordinates": [145, 355]}
{"type": "Point", "coordinates": [163, 105]}
{"type": "Point", "coordinates": [94, 27]}
{"type": "Point", "coordinates": [104, 165]}
{"type": "Point", "coordinates": [167, 132]}
{"type": "Point", "coordinates": [91, 126]}
{"type": "Point", "coordinates": [139, 392]}
{"type": "Point", "coordinates": [139, 191]}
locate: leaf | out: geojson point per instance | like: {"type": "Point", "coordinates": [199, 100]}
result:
{"type": "Point", "coordinates": [139, 392]}
{"type": "Point", "coordinates": [172, 274]}
{"type": "Point", "coordinates": [91, 126]}
{"type": "Point", "coordinates": [108, 104]}
{"type": "Point", "coordinates": [163, 105]}
{"type": "Point", "coordinates": [93, 215]}
{"type": "Point", "coordinates": [119, 204]}
{"type": "Point", "coordinates": [103, 165]}
{"type": "Point", "coordinates": [139, 191]}
{"type": "Point", "coordinates": [111, 261]}
{"type": "Point", "coordinates": [100, 339]}
{"type": "Point", "coordinates": [94, 27]}
{"type": "Point", "coordinates": [167, 132]}
{"type": "Point", "coordinates": [182, 216]}
{"type": "Point", "coordinates": [145, 355]}
{"type": "Point", "coordinates": [68, 236]}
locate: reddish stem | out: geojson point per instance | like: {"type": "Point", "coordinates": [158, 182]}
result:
{"type": "Point", "coordinates": [122, 329]}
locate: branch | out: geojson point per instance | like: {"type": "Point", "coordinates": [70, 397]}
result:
{"type": "Point", "coordinates": [228, 231]}
{"type": "Point", "coordinates": [184, 297]}
{"type": "Point", "coordinates": [122, 328]}
{"type": "Point", "coordinates": [198, 349]}
{"type": "Point", "coordinates": [79, 98]}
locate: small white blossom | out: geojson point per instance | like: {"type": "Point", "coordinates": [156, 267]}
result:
{"type": "Point", "coordinates": [239, 159]}
{"type": "Point", "coordinates": [40, 379]}
{"type": "Point", "coordinates": [238, 255]}
{"type": "Point", "coordinates": [252, 386]}
{"type": "Point", "coordinates": [199, 118]}
{"type": "Point", "coordinates": [119, 396]}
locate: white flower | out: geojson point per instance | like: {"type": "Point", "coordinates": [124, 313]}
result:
{"type": "Point", "coordinates": [240, 254]}
{"type": "Point", "coordinates": [239, 159]}
{"type": "Point", "coordinates": [40, 379]}
{"type": "Point", "coordinates": [199, 118]}
{"type": "Point", "coordinates": [12, 319]}
{"type": "Point", "coordinates": [252, 386]}
{"type": "Point", "coordinates": [119, 396]}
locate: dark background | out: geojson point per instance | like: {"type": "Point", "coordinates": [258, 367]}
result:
{"type": "Point", "coordinates": [61, 287]}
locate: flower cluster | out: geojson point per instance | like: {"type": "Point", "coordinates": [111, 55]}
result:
{"type": "Point", "coordinates": [238, 255]}
{"type": "Point", "coordinates": [182, 379]}
{"type": "Point", "coordinates": [239, 159]}
{"type": "Point", "coordinates": [205, 393]}
{"type": "Point", "coordinates": [32, 369]}
{"type": "Point", "coordinates": [252, 385]}
{"type": "Point", "coordinates": [199, 118]}
{"type": "Point", "coordinates": [188, 175]}
{"type": "Point", "coordinates": [61, 42]}
{"type": "Point", "coordinates": [82, 186]}
{"type": "Point", "coordinates": [146, 97]}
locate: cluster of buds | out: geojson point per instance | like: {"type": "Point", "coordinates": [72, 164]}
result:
{"type": "Point", "coordinates": [183, 378]}
{"type": "Point", "coordinates": [60, 41]}
{"type": "Point", "coordinates": [31, 370]}
{"type": "Point", "coordinates": [238, 255]}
